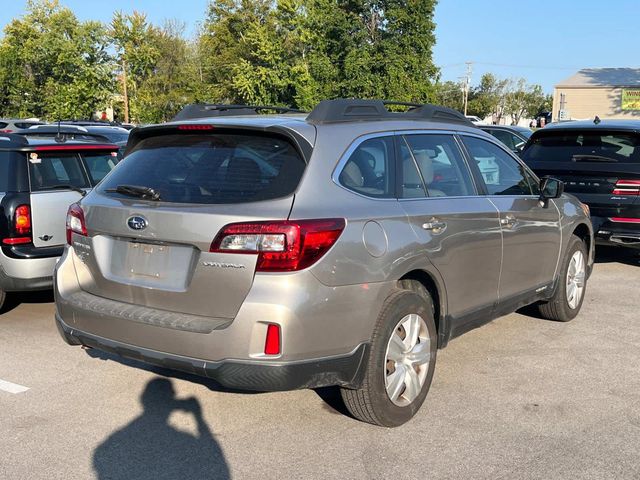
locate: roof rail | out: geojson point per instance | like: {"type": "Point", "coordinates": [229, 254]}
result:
{"type": "Point", "coordinates": [207, 110]}
{"type": "Point", "coordinates": [356, 110]}
{"type": "Point", "coordinates": [12, 140]}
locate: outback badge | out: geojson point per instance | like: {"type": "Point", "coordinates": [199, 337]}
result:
{"type": "Point", "coordinates": [137, 222]}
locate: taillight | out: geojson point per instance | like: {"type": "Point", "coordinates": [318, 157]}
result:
{"type": "Point", "coordinates": [75, 222]}
{"type": "Point", "coordinates": [21, 226]}
{"type": "Point", "coordinates": [627, 187]}
{"type": "Point", "coordinates": [624, 220]}
{"type": "Point", "coordinates": [282, 246]}
{"type": "Point", "coordinates": [23, 220]}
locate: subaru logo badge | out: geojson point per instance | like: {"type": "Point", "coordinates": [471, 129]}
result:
{"type": "Point", "coordinates": [137, 222]}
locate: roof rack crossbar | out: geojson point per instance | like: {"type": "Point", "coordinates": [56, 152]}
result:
{"type": "Point", "coordinates": [350, 110]}
{"type": "Point", "coordinates": [206, 110]}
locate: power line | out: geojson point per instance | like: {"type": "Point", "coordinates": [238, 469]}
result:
{"type": "Point", "coordinates": [491, 64]}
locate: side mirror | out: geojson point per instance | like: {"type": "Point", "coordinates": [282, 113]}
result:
{"type": "Point", "coordinates": [550, 188]}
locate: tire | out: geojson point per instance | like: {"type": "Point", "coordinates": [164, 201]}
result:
{"type": "Point", "coordinates": [3, 299]}
{"type": "Point", "coordinates": [402, 311]}
{"type": "Point", "coordinates": [562, 307]}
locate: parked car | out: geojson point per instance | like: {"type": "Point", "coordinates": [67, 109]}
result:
{"type": "Point", "coordinates": [274, 252]}
{"type": "Point", "coordinates": [473, 119]}
{"type": "Point", "coordinates": [10, 125]}
{"type": "Point", "coordinates": [39, 179]}
{"type": "Point", "coordinates": [600, 164]}
{"type": "Point", "coordinates": [513, 137]}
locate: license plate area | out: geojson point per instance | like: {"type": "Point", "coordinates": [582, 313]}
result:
{"type": "Point", "coordinates": [148, 260]}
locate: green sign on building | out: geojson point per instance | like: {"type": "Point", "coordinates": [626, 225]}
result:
{"type": "Point", "coordinates": [630, 99]}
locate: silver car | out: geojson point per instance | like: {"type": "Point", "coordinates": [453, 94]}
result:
{"type": "Point", "coordinates": [340, 248]}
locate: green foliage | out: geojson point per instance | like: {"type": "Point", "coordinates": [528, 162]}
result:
{"type": "Point", "coordinates": [281, 52]}
{"type": "Point", "coordinates": [52, 65]}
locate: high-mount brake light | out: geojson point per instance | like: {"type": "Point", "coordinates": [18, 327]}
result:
{"type": "Point", "coordinates": [283, 245]}
{"type": "Point", "coordinates": [195, 127]}
{"type": "Point", "coordinates": [21, 226]}
{"type": "Point", "coordinates": [75, 222]}
{"type": "Point", "coordinates": [627, 188]}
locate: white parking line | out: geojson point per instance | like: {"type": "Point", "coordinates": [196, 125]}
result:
{"type": "Point", "coordinates": [12, 387]}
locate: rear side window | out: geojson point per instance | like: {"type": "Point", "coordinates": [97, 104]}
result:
{"type": "Point", "coordinates": [370, 168]}
{"type": "Point", "coordinates": [211, 168]}
{"type": "Point", "coordinates": [8, 170]}
{"type": "Point", "coordinates": [99, 164]}
{"type": "Point", "coordinates": [3, 125]}
{"type": "Point", "coordinates": [577, 146]}
{"type": "Point", "coordinates": [54, 170]}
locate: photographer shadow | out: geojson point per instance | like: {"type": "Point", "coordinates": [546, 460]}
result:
{"type": "Point", "coordinates": [150, 448]}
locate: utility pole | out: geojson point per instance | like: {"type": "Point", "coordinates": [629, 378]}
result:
{"type": "Point", "coordinates": [467, 84]}
{"type": "Point", "coordinates": [124, 91]}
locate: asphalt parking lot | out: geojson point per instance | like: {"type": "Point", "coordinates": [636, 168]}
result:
{"type": "Point", "coordinates": [519, 398]}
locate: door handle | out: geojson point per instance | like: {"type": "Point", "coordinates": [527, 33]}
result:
{"type": "Point", "coordinates": [508, 221]}
{"type": "Point", "coordinates": [435, 225]}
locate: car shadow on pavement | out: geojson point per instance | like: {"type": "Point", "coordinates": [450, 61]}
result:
{"type": "Point", "coordinates": [150, 448]}
{"type": "Point", "coordinates": [15, 299]}
{"type": "Point", "coordinates": [627, 256]}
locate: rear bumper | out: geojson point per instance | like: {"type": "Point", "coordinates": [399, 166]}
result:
{"type": "Point", "coordinates": [344, 370]}
{"type": "Point", "coordinates": [23, 275]}
{"type": "Point", "coordinates": [617, 233]}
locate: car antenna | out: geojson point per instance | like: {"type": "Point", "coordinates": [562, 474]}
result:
{"type": "Point", "coordinates": [59, 138]}
{"type": "Point", "coordinates": [597, 120]}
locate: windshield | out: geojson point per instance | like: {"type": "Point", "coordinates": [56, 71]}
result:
{"type": "Point", "coordinates": [569, 146]}
{"type": "Point", "coordinates": [214, 168]}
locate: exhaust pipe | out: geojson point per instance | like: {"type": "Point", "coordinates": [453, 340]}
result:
{"type": "Point", "coordinates": [625, 239]}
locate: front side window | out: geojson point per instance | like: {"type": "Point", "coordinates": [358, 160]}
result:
{"type": "Point", "coordinates": [54, 170]}
{"type": "Point", "coordinates": [370, 168]}
{"type": "Point", "coordinates": [443, 171]}
{"type": "Point", "coordinates": [501, 173]}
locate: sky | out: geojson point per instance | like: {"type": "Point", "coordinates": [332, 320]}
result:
{"type": "Point", "coordinates": [543, 41]}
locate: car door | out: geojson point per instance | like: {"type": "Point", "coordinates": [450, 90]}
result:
{"type": "Point", "coordinates": [458, 230]}
{"type": "Point", "coordinates": [531, 230]}
{"type": "Point", "coordinates": [52, 176]}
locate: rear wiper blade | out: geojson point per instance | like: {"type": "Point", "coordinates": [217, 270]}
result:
{"type": "Point", "coordinates": [136, 191]}
{"type": "Point", "coordinates": [593, 158]}
{"type": "Point", "coordinates": [68, 187]}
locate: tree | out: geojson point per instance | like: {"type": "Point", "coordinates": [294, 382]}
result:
{"type": "Point", "coordinates": [488, 97]}
{"type": "Point", "coordinates": [52, 65]}
{"type": "Point", "coordinates": [449, 94]}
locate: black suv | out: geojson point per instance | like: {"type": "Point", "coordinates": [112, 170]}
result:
{"type": "Point", "coordinates": [599, 161]}
{"type": "Point", "coordinates": [39, 179]}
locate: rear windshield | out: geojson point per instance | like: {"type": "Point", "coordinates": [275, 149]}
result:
{"type": "Point", "coordinates": [49, 171]}
{"type": "Point", "coordinates": [211, 168]}
{"type": "Point", "coordinates": [574, 146]}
